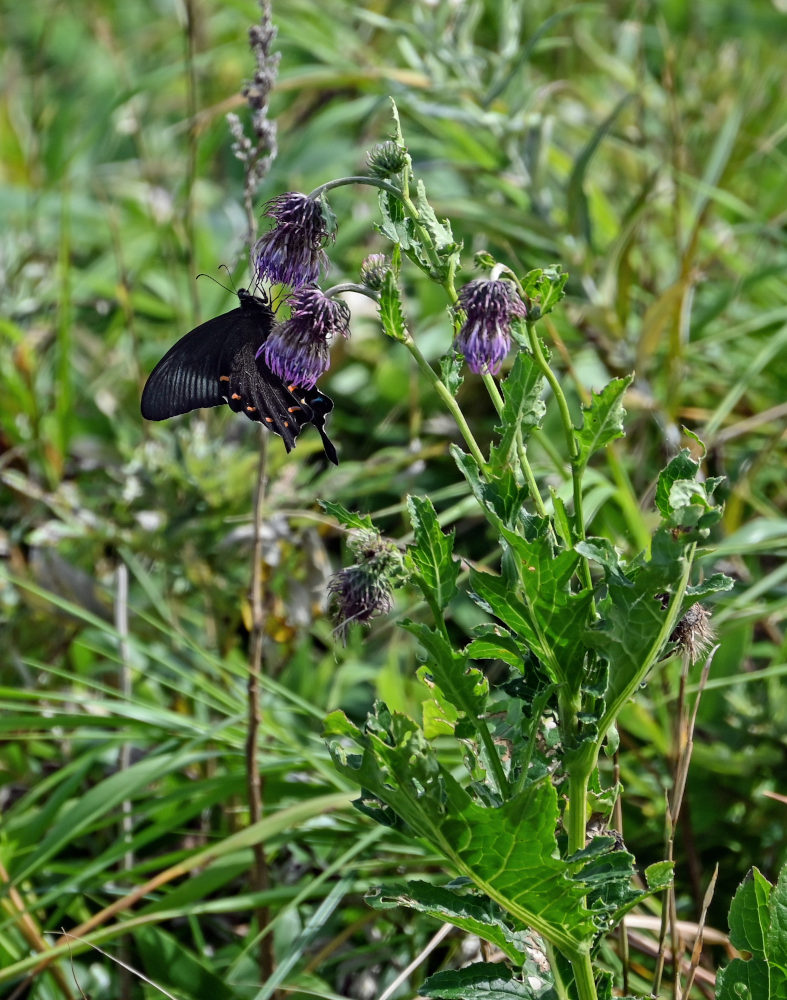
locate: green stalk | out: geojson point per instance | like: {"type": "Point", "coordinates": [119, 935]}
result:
{"type": "Point", "coordinates": [583, 976]}
{"type": "Point", "coordinates": [527, 471]}
{"type": "Point", "coordinates": [442, 391]}
{"type": "Point", "coordinates": [569, 430]}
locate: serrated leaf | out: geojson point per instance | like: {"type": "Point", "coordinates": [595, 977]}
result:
{"type": "Point", "coordinates": [634, 624]}
{"type": "Point", "coordinates": [500, 495]}
{"type": "Point", "coordinates": [682, 466]}
{"type": "Point", "coordinates": [348, 518]}
{"type": "Point", "coordinates": [451, 679]}
{"type": "Point", "coordinates": [441, 234]}
{"type": "Point", "coordinates": [509, 851]}
{"type": "Point", "coordinates": [431, 556]}
{"type": "Point", "coordinates": [602, 551]}
{"type": "Point", "coordinates": [491, 642]}
{"type": "Point", "coordinates": [556, 617]}
{"type": "Point", "coordinates": [472, 913]}
{"type": "Point", "coordinates": [523, 407]}
{"type": "Point", "coordinates": [602, 419]}
{"type": "Point", "coordinates": [390, 309]}
{"type": "Point", "coordinates": [483, 981]}
{"type": "Point", "coordinates": [451, 372]}
{"type": "Point", "coordinates": [660, 875]}
{"type": "Point", "coordinates": [395, 225]}
{"type": "Point", "coordinates": [758, 926]}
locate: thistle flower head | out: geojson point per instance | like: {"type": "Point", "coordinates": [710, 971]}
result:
{"type": "Point", "coordinates": [386, 159]}
{"type": "Point", "coordinates": [374, 269]}
{"type": "Point", "coordinates": [291, 253]}
{"type": "Point", "coordinates": [297, 350]}
{"type": "Point", "coordinates": [484, 337]}
{"type": "Point", "coordinates": [363, 591]}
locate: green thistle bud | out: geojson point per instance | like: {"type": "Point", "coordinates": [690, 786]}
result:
{"type": "Point", "coordinates": [386, 159]}
{"type": "Point", "coordinates": [374, 270]}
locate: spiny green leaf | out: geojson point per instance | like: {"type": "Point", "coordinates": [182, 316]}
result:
{"type": "Point", "coordinates": [390, 307]}
{"type": "Point", "coordinates": [498, 494]}
{"type": "Point", "coordinates": [758, 925]}
{"type": "Point", "coordinates": [491, 642]}
{"type": "Point", "coordinates": [634, 624]}
{"type": "Point", "coordinates": [602, 419]}
{"type": "Point", "coordinates": [451, 372]}
{"type": "Point", "coordinates": [485, 981]}
{"type": "Point", "coordinates": [431, 555]}
{"type": "Point", "coordinates": [347, 518]}
{"type": "Point", "coordinates": [396, 225]}
{"type": "Point", "coordinates": [448, 673]}
{"type": "Point", "coordinates": [558, 614]}
{"type": "Point", "coordinates": [509, 851]}
{"type": "Point", "coordinates": [523, 408]}
{"type": "Point", "coordinates": [471, 912]}
{"type": "Point", "coordinates": [441, 234]}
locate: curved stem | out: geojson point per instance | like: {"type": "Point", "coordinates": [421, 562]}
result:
{"type": "Point", "coordinates": [352, 286]}
{"type": "Point", "coordinates": [377, 182]}
{"type": "Point", "coordinates": [442, 390]}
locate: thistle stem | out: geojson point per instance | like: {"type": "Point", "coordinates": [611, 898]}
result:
{"type": "Point", "coordinates": [498, 402]}
{"type": "Point", "coordinates": [442, 391]}
{"type": "Point", "coordinates": [569, 430]}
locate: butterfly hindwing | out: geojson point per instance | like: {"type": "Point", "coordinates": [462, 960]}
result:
{"type": "Point", "coordinates": [216, 363]}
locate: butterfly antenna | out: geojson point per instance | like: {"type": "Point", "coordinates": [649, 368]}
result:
{"type": "Point", "coordinates": [232, 290]}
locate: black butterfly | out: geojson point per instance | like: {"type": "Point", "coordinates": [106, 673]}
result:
{"type": "Point", "coordinates": [216, 363]}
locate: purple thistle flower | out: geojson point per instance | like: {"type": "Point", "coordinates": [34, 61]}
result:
{"type": "Point", "coordinates": [291, 253]}
{"type": "Point", "coordinates": [484, 337]}
{"type": "Point", "coordinates": [297, 350]}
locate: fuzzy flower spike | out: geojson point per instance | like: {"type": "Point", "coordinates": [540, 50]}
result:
{"type": "Point", "coordinates": [484, 338]}
{"type": "Point", "coordinates": [297, 350]}
{"type": "Point", "coordinates": [291, 253]}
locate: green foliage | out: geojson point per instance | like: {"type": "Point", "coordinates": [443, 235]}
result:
{"type": "Point", "coordinates": [126, 549]}
{"type": "Point", "coordinates": [507, 851]}
{"type": "Point", "coordinates": [758, 929]}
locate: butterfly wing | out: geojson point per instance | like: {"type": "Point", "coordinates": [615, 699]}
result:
{"type": "Point", "coordinates": [320, 406]}
{"type": "Point", "coordinates": [195, 371]}
{"type": "Point", "coordinates": [216, 363]}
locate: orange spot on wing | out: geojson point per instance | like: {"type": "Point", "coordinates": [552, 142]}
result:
{"type": "Point", "coordinates": [224, 378]}
{"type": "Point", "coordinates": [292, 409]}
{"type": "Point", "coordinates": [251, 409]}
{"type": "Point", "coordinates": [269, 420]}
{"type": "Point", "coordinates": [235, 395]}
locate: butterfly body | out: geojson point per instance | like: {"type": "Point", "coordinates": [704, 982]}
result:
{"type": "Point", "coordinates": [217, 363]}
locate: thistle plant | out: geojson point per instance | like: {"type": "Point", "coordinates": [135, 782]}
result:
{"type": "Point", "coordinates": [577, 626]}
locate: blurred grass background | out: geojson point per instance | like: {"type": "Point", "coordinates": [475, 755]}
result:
{"type": "Point", "coordinates": [643, 147]}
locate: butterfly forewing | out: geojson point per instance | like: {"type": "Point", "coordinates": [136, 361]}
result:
{"type": "Point", "coordinates": [189, 375]}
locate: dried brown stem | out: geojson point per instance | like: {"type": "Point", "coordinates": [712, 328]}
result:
{"type": "Point", "coordinates": [255, 781]}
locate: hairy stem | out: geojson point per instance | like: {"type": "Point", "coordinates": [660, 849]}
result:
{"type": "Point", "coordinates": [442, 391]}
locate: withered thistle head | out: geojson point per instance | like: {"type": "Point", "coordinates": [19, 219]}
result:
{"type": "Point", "coordinates": [694, 633]}
{"type": "Point", "coordinates": [364, 591]}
